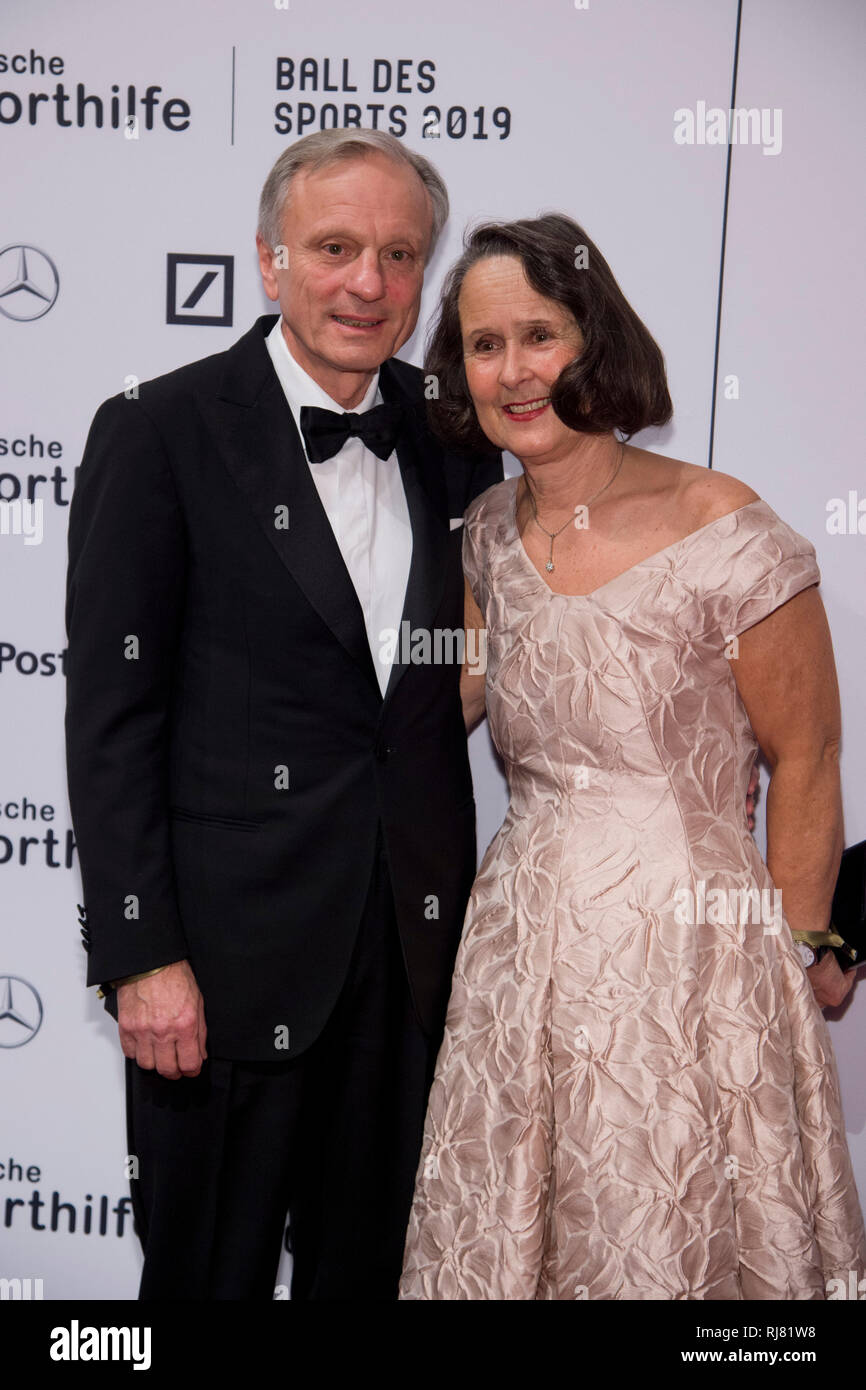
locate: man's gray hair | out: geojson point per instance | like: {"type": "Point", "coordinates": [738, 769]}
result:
{"type": "Point", "coordinates": [330, 146]}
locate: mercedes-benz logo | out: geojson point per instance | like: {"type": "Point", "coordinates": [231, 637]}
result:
{"type": "Point", "coordinates": [20, 1011]}
{"type": "Point", "coordinates": [28, 282]}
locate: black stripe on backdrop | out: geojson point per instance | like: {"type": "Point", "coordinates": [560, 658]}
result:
{"type": "Point", "coordinates": [234, 56]}
{"type": "Point", "coordinates": [724, 240]}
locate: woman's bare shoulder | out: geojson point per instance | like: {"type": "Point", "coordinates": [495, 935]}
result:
{"type": "Point", "coordinates": [715, 494]}
{"type": "Point", "coordinates": [703, 494]}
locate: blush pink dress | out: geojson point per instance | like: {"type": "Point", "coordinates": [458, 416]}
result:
{"type": "Point", "coordinates": [628, 1105]}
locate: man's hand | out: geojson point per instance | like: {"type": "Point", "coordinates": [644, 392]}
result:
{"type": "Point", "coordinates": [829, 983]}
{"type": "Point", "coordinates": [161, 1022]}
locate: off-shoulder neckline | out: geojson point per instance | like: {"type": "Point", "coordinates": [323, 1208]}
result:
{"type": "Point", "coordinates": [639, 564]}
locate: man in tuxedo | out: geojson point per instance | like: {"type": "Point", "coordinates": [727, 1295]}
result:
{"type": "Point", "coordinates": [273, 808]}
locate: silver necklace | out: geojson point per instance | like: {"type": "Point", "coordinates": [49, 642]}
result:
{"type": "Point", "coordinates": [553, 534]}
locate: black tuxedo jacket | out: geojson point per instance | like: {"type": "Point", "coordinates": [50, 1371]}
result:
{"type": "Point", "coordinates": [230, 755]}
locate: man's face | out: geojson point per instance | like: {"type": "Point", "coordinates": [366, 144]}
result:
{"type": "Point", "coordinates": [356, 235]}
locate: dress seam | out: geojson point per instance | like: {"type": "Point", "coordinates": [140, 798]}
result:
{"type": "Point", "coordinates": [551, 1171]}
{"type": "Point", "coordinates": [562, 766]}
{"type": "Point", "coordinates": [709, 1060]}
{"type": "Point", "coordinates": [662, 762]}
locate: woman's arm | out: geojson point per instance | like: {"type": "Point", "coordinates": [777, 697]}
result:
{"type": "Point", "coordinates": [473, 674]}
{"type": "Point", "coordinates": [786, 677]}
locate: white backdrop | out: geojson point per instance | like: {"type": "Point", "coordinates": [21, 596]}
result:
{"type": "Point", "coordinates": [577, 104]}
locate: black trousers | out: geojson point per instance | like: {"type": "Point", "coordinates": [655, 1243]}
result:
{"type": "Point", "coordinates": [333, 1136]}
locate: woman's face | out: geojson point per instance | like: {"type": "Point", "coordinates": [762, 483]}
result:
{"type": "Point", "coordinates": [515, 344]}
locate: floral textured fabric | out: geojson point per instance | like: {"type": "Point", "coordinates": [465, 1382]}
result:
{"type": "Point", "coordinates": [636, 1096]}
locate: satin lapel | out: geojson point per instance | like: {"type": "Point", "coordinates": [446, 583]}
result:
{"type": "Point", "coordinates": [260, 446]}
{"type": "Point", "coordinates": [427, 500]}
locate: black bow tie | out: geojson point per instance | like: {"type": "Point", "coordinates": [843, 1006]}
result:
{"type": "Point", "coordinates": [325, 432]}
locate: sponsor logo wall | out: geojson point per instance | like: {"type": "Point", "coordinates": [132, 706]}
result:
{"type": "Point", "coordinates": [136, 140]}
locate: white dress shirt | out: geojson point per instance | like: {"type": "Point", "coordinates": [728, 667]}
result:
{"type": "Point", "coordinates": [365, 503]}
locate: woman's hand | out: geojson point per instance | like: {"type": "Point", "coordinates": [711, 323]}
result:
{"type": "Point", "coordinates": [473, 676]}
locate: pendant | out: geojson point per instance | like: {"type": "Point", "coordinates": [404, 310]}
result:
{"type": "Point", "coordinates": [549, 566]}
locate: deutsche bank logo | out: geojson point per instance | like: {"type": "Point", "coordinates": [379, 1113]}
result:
{"type": "Point", "coordinates": [200, 289]}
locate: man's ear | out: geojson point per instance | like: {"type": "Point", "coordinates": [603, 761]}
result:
{"type": "Point", "coordinates": [266, 266]}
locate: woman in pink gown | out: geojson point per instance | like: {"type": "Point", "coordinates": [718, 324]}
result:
{"type": "Point", "coordinates": [636, 1096]}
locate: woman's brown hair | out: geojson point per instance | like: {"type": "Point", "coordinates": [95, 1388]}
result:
{"type": "Point", "coordinates": [617, 382]}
